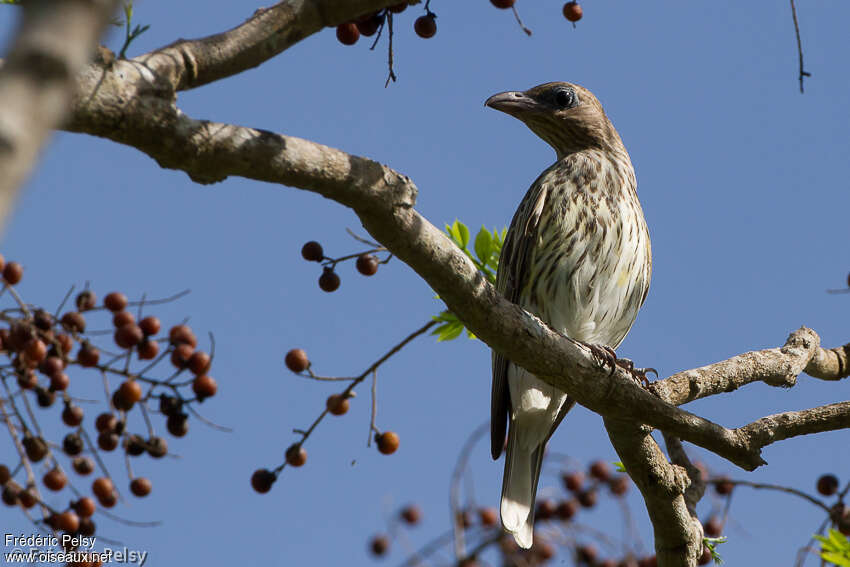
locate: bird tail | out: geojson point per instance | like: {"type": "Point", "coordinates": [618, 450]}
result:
{"type": "Point", "coordinates": [519, 488]}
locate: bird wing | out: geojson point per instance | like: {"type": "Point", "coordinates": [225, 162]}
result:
{"type": "Point", "coordinates": [511, 278]}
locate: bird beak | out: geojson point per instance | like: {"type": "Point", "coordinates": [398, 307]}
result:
{"type": "Point", "coordinates": [511, 102]}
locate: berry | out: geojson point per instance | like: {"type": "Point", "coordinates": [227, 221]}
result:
{"type": "Point", "coordinates": [157, 447]}
{"type": "Point", "coordinates": [177, 424]}
{"type": "Point", "coordinates": [546, 509]}
{"type": "Point", "coordinates": [134, 445]}
{"type": "Point", "coordinates": [182, 334]}
{"type": "Point", "coordinates": [181, 355]}
{"type": "Point", "coordinates": [713, 527]}
{"type": "Point", "coordinates": [35, 352]}
{"type": "Point", "coordinates": [27, 380]}
{"type": "Point", "coordinates": [262, 480]}
{"type": "Point", "coordinates": [150, 325]}
{"type": "Point", "coordinates": [600, 470]}
{"type": "Point", "coordinates": [828, 484]}
{"type": "Point", "coordinates": [337, 404]}
{"type": "Point", "coordinates": [102, 487]}
{"type": "Point", "coordinates": [115, 301]}
{"type": "Point", "coordinates": [85, 507]}
{"type": "Point", "coordinates": [10, 494]}
{"type": "Point", "coordinates": [72, 444]}
{"type": "Point", "coordinates": [296, 456]}
{"type": "Point", "coordinates": [329, 280]}
{"type": "Point", "coordinates": [28, 497]}
{"type": "Point", "coordinates": [5, 473]}
{"type": "Point", "coordinates": [387, 442]}
{"type": "Point", "coordinates": [573, 11]}
{"type": "Point", "coordinates": [296, 360]}
{"type": "Point", "coordinates": [140, 486]}
{"type": "Point", "coordinates": [68, 521]}
{"type": "Point", "coordinates": [121, 403]}
{"type": "Point", "coordinates": [379, 545]}
{"type": "Point", "coordinates": [312, 251]}
{"type": "Point", "coordinates": [199, 362]}
{"type": "Point", "coordinates": [73, 322]}
{"type": "Point", "coordinates": [651, 561]}
{"type": "Point", "coordinates": [488, 516]}
{"type": "Point", "coordinates": [88, 356]}
{"type": "Point", "coordinates": [107, 441]}
{"type": "Point", "coordinates": [13, 272]}
{"type": "Point", "coordinates": [83, 465]}
{"type": "Point", "coordinates": [131, 391]}
{"type": "Point", "coordinates": [587, 553]}
{"type": "Point", "coordinates": [52, 365]}
{"type": "Point", "coordinates": [347, 34]}
{"type": "Point", "coordinates": [705, 558]}
{"type": "Point", "coordinates": [723, 486]}
{"type": "Point", "coordinates": [169, 405]}
{"type": "Point", "coordinates": [367, 264]}
{"type": "Point", "coordinates": [43, 320]}
{"type": "Point", "coordinates": [411, 514]}
{"type": "Point", "coordinates": [544, 550]}
{"type": "Point", "coordinates": [148, 350]}
{"type": "Point", "coordinates": [204, 386]}
{"type": "Point", "coordinates": [55, 479]}
{"type": "Point", "coordinates": [122, 318]}
{"type": "Point", "coordinates": [567, 509]}
{"type": "Point", "coordinates": [109, 500]}
{"type": "Point", "coordinates": [588, 498]}
{"type": "Point", "coordinates": [502, 3]}
{"type": "Point", "coordinates": [106, 422]}
{"type": "Point", "coordinates": [573, 481]}
{"type": "Point", "coordinates": [619, 485]}
{"type": "Point", "coordinates": [425, 26]}
{"type": "Point", "coordinates": [369, 25]}
{"type": "Point", "coordinates": [86, 300]}
{"type": "Point", "coordinates": [66, 343]}
{"type": "Point", "coordinates": [44, 398]}
{"type": "Point", "coordinates": [87, 528]}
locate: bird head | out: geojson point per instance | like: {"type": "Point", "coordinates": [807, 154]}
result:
{"type": "Point", "coordinates": [566, 116]}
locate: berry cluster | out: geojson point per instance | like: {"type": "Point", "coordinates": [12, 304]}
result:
{"type": "Point", "coordinates": [367, 263]}
{"type": "Point", "coordinates": [40, 352]}
{"type": "Point", "coordinates": [572, 10]}
{"type": "Point", "coordinates": [349, 33]}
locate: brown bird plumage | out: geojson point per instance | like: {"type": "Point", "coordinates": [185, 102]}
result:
{"type": "Point", "coordinates": [577, 255]}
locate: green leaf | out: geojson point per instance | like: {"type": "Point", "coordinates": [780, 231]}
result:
{"type": "Point", "coordinates": [835, 549]}
{"type": "Point", "coordinates": [619, 466]}
{"type": "Point", "coordinates": [483, 245]}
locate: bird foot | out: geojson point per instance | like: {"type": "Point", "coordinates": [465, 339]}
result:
{"type": "Point", "coordinates": [607, 357]}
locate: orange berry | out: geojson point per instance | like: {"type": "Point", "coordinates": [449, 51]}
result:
{"type": "Point", "coordinates": [337, 404]}
{"type": "Point", "coordinates": [204, 386]}
{"type": "Point", "coordinates": [387, 442]}
{"type": "Point", "coordinates": [13, 273]}
{"type": "Point", "coordinates": [115, 301]}
{"type": "Point", "coordinates": [140, 486]}
{"type": "Point", "coordinates": [296, 360]}
{"type": "Point", "coordinates": [296, 456]}
{"type": "Point", "coordinates": [55, 479]}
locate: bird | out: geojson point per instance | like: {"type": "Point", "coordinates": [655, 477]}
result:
{"type": "Point", "coordinates": [578, 256]}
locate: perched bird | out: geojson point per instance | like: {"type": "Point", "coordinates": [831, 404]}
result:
{"type": "Point", "coordinates": [577, 255]}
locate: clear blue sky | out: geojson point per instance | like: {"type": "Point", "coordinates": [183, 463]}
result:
{"type": "Point", "coordinates": [743, 181]}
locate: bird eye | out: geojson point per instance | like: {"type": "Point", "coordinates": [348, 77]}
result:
{"type": "Point", "coordinates": [565, 98]}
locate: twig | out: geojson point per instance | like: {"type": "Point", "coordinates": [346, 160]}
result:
{"type": "Point", "coordinates": [391, 76]}
{"type": "Point", "coordinates": [519, 21]}
{"type": "Point", "coordinates": [803, 72]}
{"type": "Point", "coordinates": [786, 489]}
{"type": "Point", "coordinates": [454, 490]}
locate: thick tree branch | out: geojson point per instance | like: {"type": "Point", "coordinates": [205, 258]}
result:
{"type": "Point", "coordinates": [52, 43]}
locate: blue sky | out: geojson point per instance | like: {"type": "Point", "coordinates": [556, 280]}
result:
{"type": "Point", "coordinates": [743, 181]}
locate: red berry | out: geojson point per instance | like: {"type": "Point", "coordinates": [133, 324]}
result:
{"type": "Point", "coordinates": [600, 470]}
{"type": "Point", "coordinates": [85, 507]}
{"type": "Point", "coordinates": [86, 300]}
{"type": "Point", "coordinates": [312, 251]}
{"type": "Point", "coordinates": [52, 365]}
{"type": "Point", "coordinates": [573, 481]}
{"type": "Point", "coordinates": [88, 356]}
{"type": "Point", "coordinates": [262, 480]}
{"type": "Point", "coordinates": [204, 386]}
{"type": "Point", "coordinates": [121, 318]}
{"type": "Point", "coordinates": [387, 442]}
{"type": "Point", "coordinates": [425, 26]}
{"type": "Point", "coordinates": [296, 360]}
{"type": "Point", "coordinates": [329, 280]}
{"type": "Point", "coordinates": [128, 336]}
{"type": "Point", "coordinates": [370, 24]}
{"type": "Point", "coordinates": [105, 422]}
{"type": "Point", "coordinates": [546, 509]}
{"type": "Point", "coordinates": [68, 521]}
{"type": "Point", "coordinates": [28, 497]}
{"type": "Point", "coordinates": [296, 456]}
{"type": "Point", "coordinates": [488, 516]}
{"type": "Point", "coordinates": [148, 350]}
{"type": "Point", "coordinates": [72, 416]}
{"type": "Point", "coordinates": [73, 322]}
{"type": "Point", "coordinates": [573, 11]}
{"type": "Point", "coordinates": [59, 382]}
{"type": "Point", "coordinates": [367, 264]}
{"type": "Point", "coordinates": [66, 343]}
{"type": "Point", "coordinates": [182, 334]}
{"type": "Point", "coordinates": [199, 362]}
{"type": "Point", "coordinates": [567, 509]}
{"type": "Point", "coordinates": [150, 325]}
{"type": "Point", "coordinates": [502, 3]}
{"type": "Point", "coordinates": [379, 545]}
{"type": "Point", "coordinates": [723, 486]}
{"type": "Point", "coordinates": [55, 479]}
{"type": "Point", "coordinates": [140, 486]}
{"type": "Point", "coordinates": [588, 498]}
{"type": "Point", "coordinates": [181, 355]}
{"type": "Point", "coordinates": [619, 485]}
{"type": "Point", "coordinates": [544, 550]}
{"type": "Point", "coordinates": [828, 484]}
{"type": "Point", "coordinates": [713, 527]}
{"type": "Point", "coordinates": [347, 33]}
{"type": "Point", "coordinates": [411, 514]}
{"type": "Point", "coordinates": [102, 487]}
{"type": "Point", "coordinates": [337, 404]}
{"type": "Point", "coordinates": [705, 558]}
{"type": "Point", "coordinates": [115, 301]}
{"type": "Point", "coordinates": [35, 351]}
{"type": "Point", "coordinates": [13, 273]}
{"type": "Point", "coordinates": [27, 380]}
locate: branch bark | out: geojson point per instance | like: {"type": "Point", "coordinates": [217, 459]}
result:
{"type": "Point", "coordinates": [52, 44]}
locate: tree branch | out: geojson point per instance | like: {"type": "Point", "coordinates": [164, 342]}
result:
{"type": "Point", "coordinates": [53, 42]}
